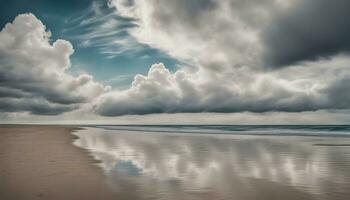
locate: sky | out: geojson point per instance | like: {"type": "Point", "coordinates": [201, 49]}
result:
{"type": "Point", "coordinates": [175, 61]}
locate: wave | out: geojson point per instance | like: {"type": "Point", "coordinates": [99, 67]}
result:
{"type": "Point", "coordinates": [283, 130]}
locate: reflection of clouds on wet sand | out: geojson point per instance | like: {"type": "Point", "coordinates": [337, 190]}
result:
{"type": "Point", "coordinates": [192, 166]}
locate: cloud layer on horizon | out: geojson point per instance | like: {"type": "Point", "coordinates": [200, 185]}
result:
{"type": "Point", "coordinates": [296, 89]}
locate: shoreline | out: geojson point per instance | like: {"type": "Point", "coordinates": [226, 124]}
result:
{"type": "Point", "coordinates": [40, 162]}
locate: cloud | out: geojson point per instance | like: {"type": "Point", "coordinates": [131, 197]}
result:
{"type": "Point", "coordinates": [309, 31]}
{"type": "Point", "coordinates": [183, 91]}
{"type": "Point", "coordinates": [225, 42]}
{"type": "Point", "coordinates": [225, 34]}
{"type": "Point", "coordinates": [100, 27]}
{"type": "Point", "coordinates": [33, 75]}
{"type": "Point", "coordinates": [217, 35]}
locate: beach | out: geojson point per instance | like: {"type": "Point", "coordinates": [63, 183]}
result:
{"type": "Point", "coordinates": [67, 162]}
{"type": "Point", "coordinates": [40, 162]}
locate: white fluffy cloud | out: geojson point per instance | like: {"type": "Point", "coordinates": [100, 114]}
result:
{"type": "Point", "coordinates": [33, 75]}
{"type": "Point", "coordinates": [292, 90]}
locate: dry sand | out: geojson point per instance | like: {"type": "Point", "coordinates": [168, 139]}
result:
{"type": "Point", "coordinates": [40, 162]}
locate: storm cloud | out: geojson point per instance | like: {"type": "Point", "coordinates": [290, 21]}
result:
{"type": "Point", "coordinates": [311, 30]}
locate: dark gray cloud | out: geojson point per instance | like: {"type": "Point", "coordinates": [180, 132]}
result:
{"type": "Point", "coordinates": [310, 30]}
{"type": "Point", "coordinates": [33, 106]}
{"type": "Point", "coordinates": [190, 13]}
{"type": "Point", "coordinates": [338, 93]}
{"type": "Point", "coordinates": [32, 85]}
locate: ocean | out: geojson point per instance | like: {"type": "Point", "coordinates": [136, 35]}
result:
{"type": "Point", "coordinates": [285, 130]}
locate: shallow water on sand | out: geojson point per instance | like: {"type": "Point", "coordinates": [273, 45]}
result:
{"type": "Point", "coordinates": [160, 165]}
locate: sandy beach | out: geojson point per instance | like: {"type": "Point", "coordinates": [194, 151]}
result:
{"type": "Point", "coordinates": [48, 162]}
{"type": "Point", "coordinates": [40, 162]}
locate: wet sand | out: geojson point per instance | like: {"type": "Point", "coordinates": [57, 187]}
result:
{"type": "Point", "coordinates": [40, 162]}
{"type": "Point", "coordinates": [173, 166]}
